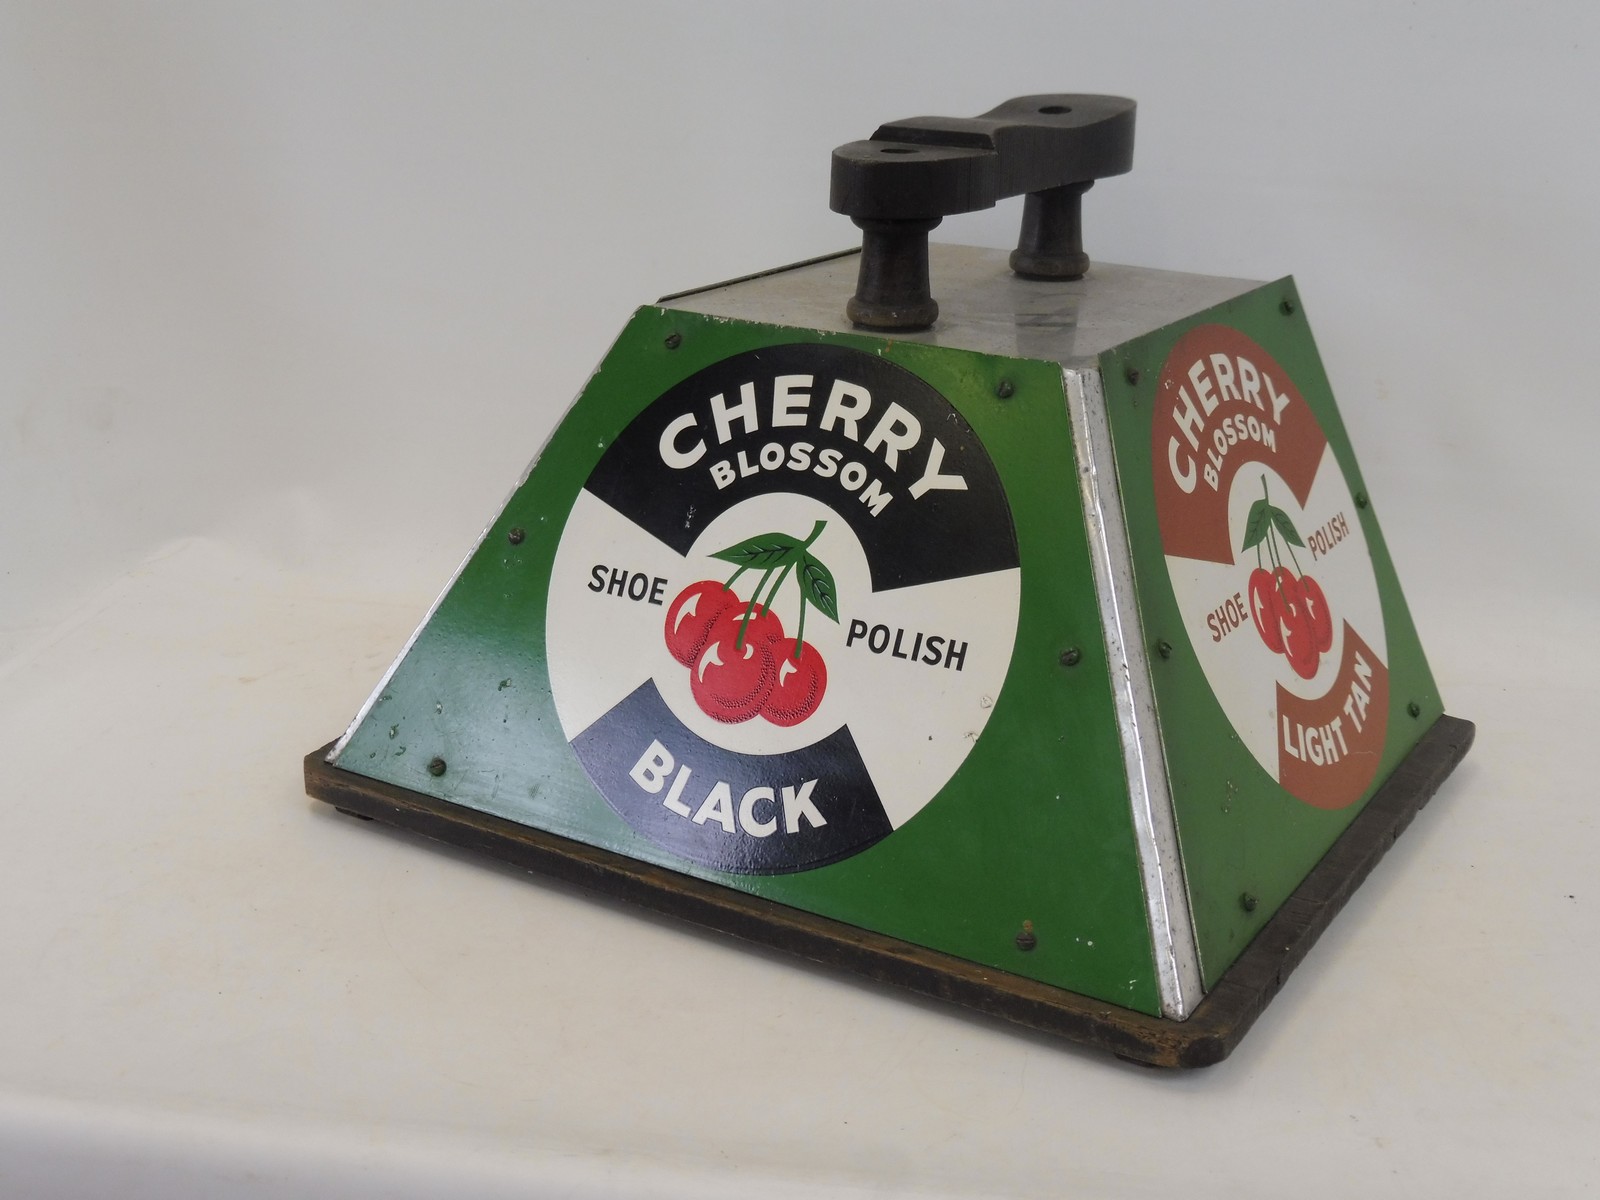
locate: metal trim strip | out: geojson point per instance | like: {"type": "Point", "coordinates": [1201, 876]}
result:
{"type": "Point", "coordinates": [1173, 944]}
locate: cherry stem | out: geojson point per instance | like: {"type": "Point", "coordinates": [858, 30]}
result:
{"type": "Point", "coordinates": [1271, 539]}
{"type": "Point", "coordinates": [1294, 558]}
{"type": "Point", "coordinates": [773, 594]}
{"type": "Point", "coordinates": [749, 609]}
{"type": "Point", "coordinates": [800, 631]}
{"type": "Point", "coordinates": [738, 642]}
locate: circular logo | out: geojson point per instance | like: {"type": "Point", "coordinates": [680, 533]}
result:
{"type": "Point", "coordinates": [1270, 567]}
{"type": "Point", "coordinates": [782, 608]}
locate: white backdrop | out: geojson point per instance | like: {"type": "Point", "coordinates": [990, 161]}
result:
{"type": "Point", "coordinates": [300, 273]}
{"type": "Point", "coordinates": [289, 295]}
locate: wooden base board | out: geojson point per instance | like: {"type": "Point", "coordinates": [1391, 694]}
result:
{"type": "Point", "coordinates": [1208, 1036]}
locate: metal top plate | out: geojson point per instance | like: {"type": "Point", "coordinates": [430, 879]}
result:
{"type": "Point", "coordinates": [983, 306]}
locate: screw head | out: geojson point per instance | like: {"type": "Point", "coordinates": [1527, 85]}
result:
{"type": "Point", "coordinates": [515, 536]}
{"type": "Point", "coordinates": [1287, 307]}
{"type": "Point", "coordinates": [1131, 375]}
{"type": "Point", "coordinates": [436, 767]}
{"type": "Point", "coordinates": [1247, 902]}
{"type": "Point", "coordinates": [1414, 709]}
{"type": "Point", "coordinates": [1004, 389]}
{"type": "Point", "coordinates": [1071, 656]}
{"type": "Point", "coordinates": [1361, 500]}
{"type": "Point", "coordinates": [1164, 648]}
{"type": "Point", "coordinates": [1026, 939]}
{"type": "Point", "coordinates": [673, 341]}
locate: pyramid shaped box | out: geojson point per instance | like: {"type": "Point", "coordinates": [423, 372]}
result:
{"type": "Point", "coordinates": [1050, 661]}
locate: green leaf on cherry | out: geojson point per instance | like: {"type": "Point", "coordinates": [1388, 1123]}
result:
{"type": "Point", "coordinates": [816, 583]}
{"type": "Point", "coordinates": [1262, 516]}
{"type": "Point", "coordinates": [762, 552]}
{"type": "Point", "coordinates": [1286, 527]}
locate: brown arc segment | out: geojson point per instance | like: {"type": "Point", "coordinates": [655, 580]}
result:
{"type": "Point", "coordinates": [1194, 523]}
{"type": "Point", "coordinates": [1340, 782]}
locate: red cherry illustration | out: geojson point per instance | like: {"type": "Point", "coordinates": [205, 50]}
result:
{"type": "Point", "coordinates": [691, 615]}
{"type": "Point", "coordinates": [1316, 604]}
{"type": "Point", "coordinates": [1264, 610]}
{"type": "Point", "coordinates": [732, 678]}
{"type": "Point", "coordinates": [1290, 612]}
{"type": "Point", "coordinates": [1300, 650]}
{"type": "Point", "coordinates": [763, 625]}
{"type": "Point", "coordinates": [1286, 586]}
{"type": "Point", "coordinates": [799, 686]}
{"type": "Point", "coordinates": [1299, 638]}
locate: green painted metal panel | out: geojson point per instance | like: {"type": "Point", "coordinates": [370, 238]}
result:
{"type": "Point", "coordinates": [1243, 726]}
{"type": "Point", "coordinates": [1031, 822]}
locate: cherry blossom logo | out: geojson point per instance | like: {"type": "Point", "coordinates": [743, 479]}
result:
{"type": "Point", "coordinates": [712, 708]}
{"type": "Point", "coordinates": [1251, 499]}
